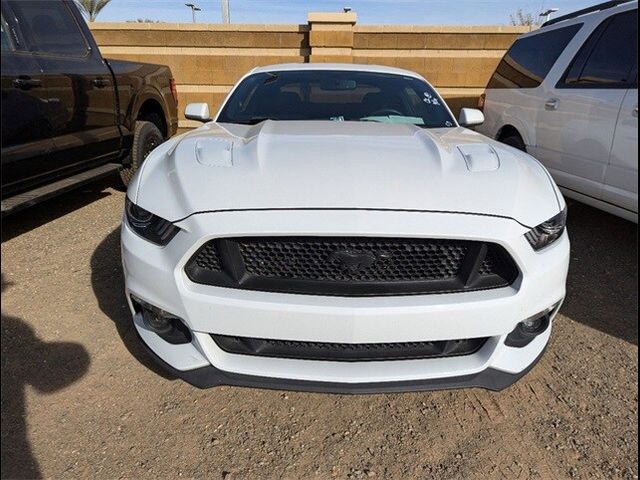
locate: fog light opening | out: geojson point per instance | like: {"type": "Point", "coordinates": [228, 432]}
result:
{"type": "Point", "coordinates": [167, 326]}
{"type": "Point", "coordinates": [530, 328]}
{"type": "Point", "coordinates": [155, 322]}
{"type": "Point", "coordinates": [535, 325]}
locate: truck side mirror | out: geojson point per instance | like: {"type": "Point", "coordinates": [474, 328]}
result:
{"type": "Point", "coordinates": [197, 111]}
{"type": "Point", "coordinates": [470, 116]}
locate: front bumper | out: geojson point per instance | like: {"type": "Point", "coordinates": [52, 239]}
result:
{"type": "Point", "coordinates": [156, 275]}
{"type": "Point", "coordinates": [210, 376]}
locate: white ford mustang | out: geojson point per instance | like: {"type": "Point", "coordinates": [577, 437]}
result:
{"type": "Point", "coordinates": [334, 228]}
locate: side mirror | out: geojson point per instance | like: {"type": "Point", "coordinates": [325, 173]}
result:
{"type": "Point", "coordinates": [197, 111]}
{"type": "Point", "coordinates": [470, 117]}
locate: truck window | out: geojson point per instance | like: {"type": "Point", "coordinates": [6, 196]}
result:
{"type": "Point", "coordinates": [529, 59]}
{"type": "Point", "coordinates": [49, 27]}
{"type": "Point", "coordinates": [609, 57]}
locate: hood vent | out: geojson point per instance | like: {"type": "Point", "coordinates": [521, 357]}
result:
{"type": "Point", "coordinates": [214, 152]}
{"type": "Point", "coordinates": [480, 157]}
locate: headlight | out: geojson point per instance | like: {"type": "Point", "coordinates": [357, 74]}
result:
{"type": "Point", "coordinates": [149, 226]}
{"type": "Point", "coordinates": [547, 232]}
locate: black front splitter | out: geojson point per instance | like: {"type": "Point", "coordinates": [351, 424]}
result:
{"type": "Point", "coordinates": [210, 376]}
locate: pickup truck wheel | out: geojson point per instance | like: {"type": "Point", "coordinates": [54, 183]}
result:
{"type": "Point", "coordinates": [146, 137]}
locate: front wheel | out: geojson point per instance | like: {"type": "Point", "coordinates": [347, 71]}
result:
{"type": "Point", "coordinates": [146, 137]}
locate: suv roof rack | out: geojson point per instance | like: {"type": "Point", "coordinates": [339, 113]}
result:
{"type": "Point", "coordinates": [584, 11]}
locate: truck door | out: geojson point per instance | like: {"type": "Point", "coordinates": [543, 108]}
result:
{"type": "Point", "coordinates": [26, 131]}
{"type": "Point", "coordinates": [81, 101]}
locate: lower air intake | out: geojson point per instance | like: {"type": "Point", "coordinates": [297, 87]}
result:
{"type": "Point", "coordinates": [347, 352]}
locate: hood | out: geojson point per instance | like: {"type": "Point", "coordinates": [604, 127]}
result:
{"type": "Point", "coordinates": [342, 165]}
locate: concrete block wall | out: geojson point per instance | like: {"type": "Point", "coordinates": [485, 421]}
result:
{"type": "Point", "coordinates": [207, 59]}
{"type": "Point", "coordinates": [458, 61]}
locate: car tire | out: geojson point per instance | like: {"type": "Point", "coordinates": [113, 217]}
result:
{"type": "Point", "coordinates": [515, 141]}
{"type": "Point", "coordinates": [146, 137]}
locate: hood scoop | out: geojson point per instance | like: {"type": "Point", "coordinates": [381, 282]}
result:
{"type": "Point", "coordinates": [214, 152]}
{"type": "Point", "coordinates": [480, 157]}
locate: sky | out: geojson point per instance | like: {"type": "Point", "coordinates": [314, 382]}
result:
{"type": "Point", "coordinates": [416, 12]}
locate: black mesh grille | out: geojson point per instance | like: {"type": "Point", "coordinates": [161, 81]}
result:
{"type": "Point", "coordinates": [391, 260]}
{"type": "Point", "coordinates": [347, 352]}
{"type": "Point", "coordinates": [488, 265]}
{"type": "Point", "coordinates": [352, 266]}
{"type": "Point", "coordinates": [208, 258]}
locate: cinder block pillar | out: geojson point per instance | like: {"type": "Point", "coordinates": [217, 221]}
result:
{"type": "Point", "coordinates": [331, 36]}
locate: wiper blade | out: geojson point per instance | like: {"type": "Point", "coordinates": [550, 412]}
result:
{"type": "Point", "coordinates": [253, 120]}
{"type": "Point", "coordinates": [373, 119]}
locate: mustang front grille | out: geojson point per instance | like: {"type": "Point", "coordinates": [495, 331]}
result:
{"type": "Point", "coordinates": [347, 352]}
{"type": "Point", "coordinates": [352, 266]}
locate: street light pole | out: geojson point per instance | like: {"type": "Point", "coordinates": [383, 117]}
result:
{"type": "Point", "coordinates": [194, 9]}
{"type": "Point", "coordinates": [547, 14]}
{"type": "Point", "coordinates": [225, 11]}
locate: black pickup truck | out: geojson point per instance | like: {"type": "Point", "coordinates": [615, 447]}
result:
{"type": "Point", "coordinates": [69, 116]}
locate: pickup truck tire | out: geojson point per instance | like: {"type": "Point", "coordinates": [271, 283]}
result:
{"type": "Point", "coordinates": [146, 137]}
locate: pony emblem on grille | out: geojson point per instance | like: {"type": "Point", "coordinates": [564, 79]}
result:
{"type": "Point", "coordinates": [353, 261]}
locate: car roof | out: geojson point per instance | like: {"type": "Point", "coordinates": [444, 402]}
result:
{"type": "Point", "coordinates": [349, 67]}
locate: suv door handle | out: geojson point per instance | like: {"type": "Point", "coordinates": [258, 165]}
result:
{"type": "Point", "coordinates": [551, 104]}
{"type": "Point", "coordinates": [635, 111]}
{"type": "Point", "coordinates": [25, 83]}
{"type": "Point", "coordinates": [100, 82]}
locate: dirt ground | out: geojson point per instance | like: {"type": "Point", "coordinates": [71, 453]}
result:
{"type": "Point", "coordinates": [80, 398]}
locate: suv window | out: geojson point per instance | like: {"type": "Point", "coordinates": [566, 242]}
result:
{"type": "Point", "coordinates": [609, 58]}
{"type": "Point", "coordinates": [529, 59]}
{"type": "Point", "coordinates": [50, 27]}
{"type": "Point", "coordinates": [7, 41]}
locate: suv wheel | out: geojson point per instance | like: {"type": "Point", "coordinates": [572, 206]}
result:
{"type": "Point", "coordinates": [514, 140]}
{"type": "Point", "coordinates": [146, 137]}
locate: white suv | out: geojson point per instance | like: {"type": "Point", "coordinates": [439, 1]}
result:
{"type": "Point", "coordinates": [568, 95]}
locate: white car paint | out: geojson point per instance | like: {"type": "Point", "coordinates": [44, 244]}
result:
{"type": "Point", "coordinates": [587, 138]}
{"type": "Point", "coordinates": [307, 164]}
{"type": "Point", "coordinates": [470, 117]}
{"type": "Point", "coordinates": [323, 178]}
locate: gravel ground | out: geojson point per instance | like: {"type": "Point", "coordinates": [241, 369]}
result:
{"type": "Point", "coordinates": [80, 398]}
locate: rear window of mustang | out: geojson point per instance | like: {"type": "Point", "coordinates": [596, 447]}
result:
{"type": "Point", "coordinates": [337, 96]}
{"type": "Point", "coordinates": [529, 59]}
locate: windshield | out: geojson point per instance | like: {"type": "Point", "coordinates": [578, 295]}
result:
{"type": "Point", "coordinates": [337, 96]}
